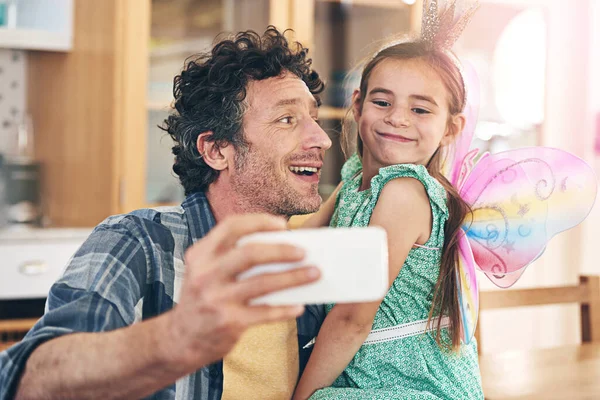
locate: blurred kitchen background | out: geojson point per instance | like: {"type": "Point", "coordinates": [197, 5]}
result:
{"type": "Point", "coordinates": [84, 84]}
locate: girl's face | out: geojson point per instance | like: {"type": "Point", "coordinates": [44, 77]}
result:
{"type": "Point", "coordinates": [404, 115]}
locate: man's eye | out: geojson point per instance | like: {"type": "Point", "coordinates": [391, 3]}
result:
{"type": "Point", "coordinates": [381, 103]}
{"type": "Point", "coordinates": [419, 110]}
{"type": "Point", "coordinates": [286, 120]}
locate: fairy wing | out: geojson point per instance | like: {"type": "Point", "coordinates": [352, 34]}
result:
{"type": "Point", "coordinates": [468, 290]}
{"type": "Point", "coordinates": [520, 199]}
{"type": "Point", "coordinates": [458, 157]}
{"type": "Point", "coordinates": [458, 161]}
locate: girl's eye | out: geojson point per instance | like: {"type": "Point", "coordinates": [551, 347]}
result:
{"type": "Point", "coordinates": [381, 103]}
{"type": "Point", "coordinates": [420, 110]}
{"type": "Point", "coordinates": [286, 120]}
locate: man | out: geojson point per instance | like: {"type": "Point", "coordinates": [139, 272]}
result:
{"type": "Point", "coordinates": [122, 323]}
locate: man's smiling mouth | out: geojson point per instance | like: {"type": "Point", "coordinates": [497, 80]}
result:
{"type": "Point", "coordinates": [302, 170]}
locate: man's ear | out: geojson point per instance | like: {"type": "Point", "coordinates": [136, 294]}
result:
{"type": "Point", "coordinates": [454, 128]}
{"type": "Point", "coordinates": [214, 155]}
{"type": "Point", "coordinates": [356, 106]}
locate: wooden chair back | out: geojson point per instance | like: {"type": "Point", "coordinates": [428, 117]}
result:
{"type": "Point", "coordinates": [586, 293]}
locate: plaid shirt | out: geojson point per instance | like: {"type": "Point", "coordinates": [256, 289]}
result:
{"type": "Point", "coordinates": [129, 269]}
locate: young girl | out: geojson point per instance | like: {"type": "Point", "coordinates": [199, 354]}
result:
{"type": "Point", "coordinates": [407, 109]}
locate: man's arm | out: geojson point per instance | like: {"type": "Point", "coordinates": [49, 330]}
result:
{"type": "Point", "coordinates": [213, 312]}
{"type": "Point", "coordinates": [132, 362]}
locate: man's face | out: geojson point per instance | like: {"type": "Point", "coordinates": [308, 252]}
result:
{"type": "Point", "coordinates": [279, 172]}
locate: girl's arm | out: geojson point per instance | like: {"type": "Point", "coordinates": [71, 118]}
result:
{"type": "Point", "coordinates": [323, 216]}
{"type": "Point", "coordinates": [347, 325]}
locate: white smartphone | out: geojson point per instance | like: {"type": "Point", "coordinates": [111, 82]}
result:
{"type": "Point", "coordinates": [353, 264]}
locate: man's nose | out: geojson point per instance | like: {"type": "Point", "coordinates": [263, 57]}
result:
{"type": "Point", "coordinates": [317, 137]}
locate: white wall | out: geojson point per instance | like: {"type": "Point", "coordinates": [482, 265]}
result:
{"type": "Point", "coordinates": [591, 228]}
{"type": "Point", "coordinates": [13, 87]}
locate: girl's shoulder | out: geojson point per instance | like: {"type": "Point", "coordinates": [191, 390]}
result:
{"type": "Point", "coordinates": [435, 190]}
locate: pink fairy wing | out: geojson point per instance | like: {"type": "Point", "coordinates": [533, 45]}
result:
{"type": "Point", "coordinates": [496, 266]}
{"type": "Point", "coordinates": [458, 161]}
{"type": "Point", "coordinates": [468, 291]}
{"type": "Point", "coordinates": [506, 280]}
{"type": "Point", "coordinates": [457, 158]}
{"type": "Point", "coordinates": [520, 200]}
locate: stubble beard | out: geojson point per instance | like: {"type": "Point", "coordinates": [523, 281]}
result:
{"type": "Point", "coordinates": [260, 188]}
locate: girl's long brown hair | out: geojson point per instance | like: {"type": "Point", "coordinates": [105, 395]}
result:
{"type": "Point", "coordinates": [445, 295]}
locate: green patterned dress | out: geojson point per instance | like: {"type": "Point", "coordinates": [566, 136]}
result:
{"type": "Point", "coordinates": [414, 367]}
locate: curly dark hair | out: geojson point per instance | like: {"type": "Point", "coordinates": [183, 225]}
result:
{"type": "Point", "coordinates": [210, 95]}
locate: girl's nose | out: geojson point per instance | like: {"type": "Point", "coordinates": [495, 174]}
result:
{"type": "Point", "coordinates": [397, 117]}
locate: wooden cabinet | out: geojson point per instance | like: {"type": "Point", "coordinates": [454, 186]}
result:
{"type": "Point", "coordinates": [13, 330]}
{"type": "Point", "coordinates": [95, 108]}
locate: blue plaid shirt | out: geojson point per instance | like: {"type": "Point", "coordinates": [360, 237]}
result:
{"type": "Point", "coordinates": [129, 269]}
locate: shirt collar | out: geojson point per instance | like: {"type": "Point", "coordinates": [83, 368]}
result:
{"type": "Point", "coordinates": [200, 218]}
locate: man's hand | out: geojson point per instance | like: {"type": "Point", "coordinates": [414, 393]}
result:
{"type": "Point", "coordinates": [214, 309]}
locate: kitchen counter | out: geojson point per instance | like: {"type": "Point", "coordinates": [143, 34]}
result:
{"type": "Point", "coordinates": [31, 259]}
{"type": "Point", "coordinates": [24, 233]}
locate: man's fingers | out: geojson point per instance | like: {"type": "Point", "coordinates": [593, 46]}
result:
{"type": "Point", "coordinates": [226, 234]}
{"type": "Point", "coordinates": [260, 285]}
{"type": "Point", "coordinates": [249, 255]}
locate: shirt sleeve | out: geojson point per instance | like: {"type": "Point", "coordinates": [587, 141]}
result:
{"type": "Point", "coordinates": [99, 291]}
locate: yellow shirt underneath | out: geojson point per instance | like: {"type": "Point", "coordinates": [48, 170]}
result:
{"type": "Point", "coordinates": [263, 364]}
